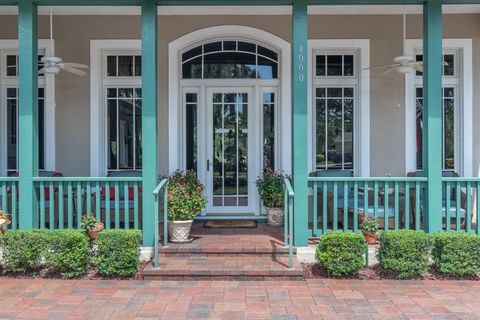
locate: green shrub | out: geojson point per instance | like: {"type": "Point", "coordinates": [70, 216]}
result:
{"type": "Point", "coordinates": [341, 253]}
{"type": "Point", "coordinates": [23, 250]}
{"type": "Point", "coordinates": [457, 253]}
{"type": "Point", "coordinates": [68, 252]}
{"type": "Point", "coordinates": [405, 252]}
{"type": "Point", "coordinates": [117, 252]}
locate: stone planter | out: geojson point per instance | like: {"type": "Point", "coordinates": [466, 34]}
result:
{"type": "Point", "coordinates": [95, 231]}
{"type": "Point", "coordinates": [370, 237]}
{"type": "Point", "coordinates": [275, 216]}
{"type": "Point", "coordinates": [179, 231]}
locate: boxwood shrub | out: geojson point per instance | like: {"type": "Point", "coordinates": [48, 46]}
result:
{"type": "Point", "coordinates": [23, 250]}
{"type": "Point", "coordinates": [117, 252]}
{"type": "Point", "coordinates": [68, 252]}
{"type": "Point", "coordinates": [406, 252]}
{"type": "Point", "coordinates": [457, 253]}
{"type": "Point", "coordinates": [341, 253]}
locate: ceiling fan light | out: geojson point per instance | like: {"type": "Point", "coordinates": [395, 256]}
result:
{"type": "Point", "coordinates": [52, 70]}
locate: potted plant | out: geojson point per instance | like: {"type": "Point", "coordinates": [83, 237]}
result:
{"type": "Point", "coordinates": [185, 201]}
{"type": "Point", "coordinates": [4, 221]}
{"type": "Point", "coordinates": [270, 189]}
{"type": "Point", "coordinates": [91, 225]}
{"type": "Point", "coordinates": [370, 229]}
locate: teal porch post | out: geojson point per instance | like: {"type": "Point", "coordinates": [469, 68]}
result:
{"type": "Point", "coordinates": [149, 116]}
{"type": "Point", "coordinates": [432, 113]}
{"type": "Point", "coordinates": [27, 111]}
{"type": "Point", "coordinates": [299, 120]}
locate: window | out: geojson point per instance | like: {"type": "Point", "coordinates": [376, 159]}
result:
{"type": "Point", "coordinates": [229, 59]}
{"type": "Point", "coordinates": [191, 130]}
{"type": "Point", "coordinates": [124, 111]}
{"type": "Point", "coordinates": [335, 85]}
{"type": "Point", "coordinates": [450, 84]}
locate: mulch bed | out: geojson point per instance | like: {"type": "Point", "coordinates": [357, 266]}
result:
{"type": "Point", "coordinates": [314, 271]}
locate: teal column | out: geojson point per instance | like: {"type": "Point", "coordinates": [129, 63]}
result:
{"type": "Point", "coordinates": [432, 113]}
{"type": "Point", "coordinates": [27, 112]}
{"type": "Point", "coordinates": [149, 117]}
{"type": "Point", "coordinates": [299, 120]}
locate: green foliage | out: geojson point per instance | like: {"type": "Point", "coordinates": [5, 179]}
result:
{"type": "Point", "coordinates": [89, 222]}
{"type": "Point", "coordinates": [405, 252]}
{"type": "Point", "coordinates": [270, 188]}
{"type": "Point", "coordinates": [457, 253]}
{"type": "Point", "coordinates": [370, 224]}
{"type": "Point", "coordinates": [23, 250]}
{"type": "Point", "coordinates": [68, 252]}
{"type": "Point", "coordinates": [117, 252]}
{"type": "Point", "coordinates": [341, 253]}
{"type": "Point", "coordinates": [185, 196]}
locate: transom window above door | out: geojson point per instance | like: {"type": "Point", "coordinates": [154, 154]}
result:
{"type": "Point", "coordinates": [230, 59]}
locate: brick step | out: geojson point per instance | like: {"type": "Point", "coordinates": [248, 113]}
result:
{"type": "Point", "coordinates": [182, 250]}
{"type": "Point", "coordinates": [245, 267]}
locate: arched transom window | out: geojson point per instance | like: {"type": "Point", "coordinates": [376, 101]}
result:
{"type": "Point", "coordinates": [229, 60]}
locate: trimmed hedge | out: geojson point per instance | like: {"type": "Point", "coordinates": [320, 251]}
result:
{"type": "Point", "coordinates": [117, 252]}
{"type": "Point", "coordinates": [341, 253]}
{"type": "Point", "coordinates": [68, 252]}
{"type": "Point", "coordinates": [405, 252]}
{"type": "Point", "coordinates": [23, 250]}
{"type": "Point", "coordinates": [457, 253]}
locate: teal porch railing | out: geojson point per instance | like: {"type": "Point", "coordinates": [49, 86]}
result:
{"type": "Point", "coordinates": [161, 189]}
{"type": "Point", "coordinates": [9, 200]}
{"type": "Point", "coordinates": [289, 197]}
{"type": "Point", "coordinates": [340, 203]}
{"type": "Point", "coordinates": [116, 201]}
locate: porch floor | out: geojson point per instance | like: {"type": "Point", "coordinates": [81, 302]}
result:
{"type": "Point", "coordinates": [227, 254]}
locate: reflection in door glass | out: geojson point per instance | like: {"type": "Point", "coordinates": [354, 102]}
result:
{"type": "Point", "coordinates": [269, 130]}
{"type": "Point", "coordinates": [191, 126]}
{"type": "Point", "coordinates": [230, 149]}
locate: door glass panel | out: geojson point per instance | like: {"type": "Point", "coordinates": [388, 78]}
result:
{"type": "Point", "coordinates": [230, 149]}
{"type": "Point", "coordinates": [269, 130]}
{"type": "Point", "coordinates": [191, 129]}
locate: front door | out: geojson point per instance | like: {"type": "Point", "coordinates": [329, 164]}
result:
{"type": "Point", "coordinates": [230, 185]}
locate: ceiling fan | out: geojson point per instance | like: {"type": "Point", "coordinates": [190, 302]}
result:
{"type": "Point", "coordinates": [53, 65]}
{"type": "Point", "coordinates": [403, 64]}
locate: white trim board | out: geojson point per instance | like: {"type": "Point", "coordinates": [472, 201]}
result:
{"type": "Point", "coordinates": [49, 85]}
{"type": "Point", "coordinates": [362, 111]}
{"type": "Point", "coordinates": [98, 139]}
{"type": "Point", "coordinates": [465, 139]}
{"type": "Point", "coordinates": [174, 95]}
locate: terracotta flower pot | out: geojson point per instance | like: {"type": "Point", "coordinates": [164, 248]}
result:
{"type": "Point", "coordinates": [95, 231]}
{"type": "Point", "coordinates": [370, 237]}
{"type": "Point", "coordinates": [275, 216]}
{"type": "Point", "coordinates": [179, 231]}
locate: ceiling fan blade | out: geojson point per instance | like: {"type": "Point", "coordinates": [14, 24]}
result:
{"type": "Point", "coordinates": [74, 71]}
{"type": "Point", "coordinates": [389, 70]}
{"type": "Point", "coordinates": [418, 67]}
{"type": "Point", "coordinates": [76, 65]}
{"type": "Point", "coordinates": [383, 66]}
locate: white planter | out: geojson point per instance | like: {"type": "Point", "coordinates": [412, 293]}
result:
{"type": "Point", "coordinates": [179, 231]}
{"type": "Point", "coordinates": [275, 216]}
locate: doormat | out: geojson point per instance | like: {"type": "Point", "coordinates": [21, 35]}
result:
{"type": "Point", "coordinates": [223, 224]}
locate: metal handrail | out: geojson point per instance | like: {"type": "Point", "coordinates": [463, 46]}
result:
{"type": "Point", "coordinates": [289, 196]}
{"type": "Point", "coordinates": [162, 185]}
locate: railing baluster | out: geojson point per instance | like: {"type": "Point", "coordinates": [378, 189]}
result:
{"type": "Point", "coordinates": [406, 208]}
{"type": "Point", "coordinates": [458, 201]}
{"type": "Point", "coordinates": [70, 204]}
{"type": "Point", "coordinates": [355, 206]}
{"type": "Point", "coordinates": [88, 197]}
{"type": "Point", "coordinates": [165, 215]}
{"type": "Point", "coordinates": [61, 209]}
{"type": "Point", "coordinates": [117, 205]}
{"type": "Point", "coordinates": [447, 206]}
{"type": "Point", "coordinates": [78, 189]}
{"type": "Point", "coordinates": [4, 205]}
{"type": "Point", "coordinates": [14, 205]}
{"type": "Point", "coordinates": [42, 204]}
{"type": "Point", "coordinates": [51, 211]}
{"type": "Point", "coordinates": [386, 205]}
{"type": "Point", "coordinates": [135, 205]}
{"type": "Point", "coordinates": [285, 223]}
{"type": "Point", "coordinates": [325, 208]}
{"type": "Point", "coordinates": [107, 205]}
{"type": "Point", "coordinates": [345, 205]}
{"type": "Point", "coordinates": [365, 199]}
{"type": "Point", "coordinates": [315, 212]}
{"type": "Point", "coordinates": [417, 205]}
{"type": "Point", "coordinates": [98, 198]}
{"type": "Point", "coordinates": [375, 199]}
{"type": "Point", "coordinates": [477, 185]}
{"type": "Point", "coordinates": [126, 205]}
{"type": "Point", "coordinates": [468, 213]}
{"type": "Point", "coordinates": [397, 206]}
{"type": "Point", "coordinates": [335, 205]}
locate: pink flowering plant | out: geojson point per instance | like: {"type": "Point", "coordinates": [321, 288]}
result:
{"type": "Point", "coordinates": [270, 187]}
{"type": "Point", "coordinates": [185, 196]}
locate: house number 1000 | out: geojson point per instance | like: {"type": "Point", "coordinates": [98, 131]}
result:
{"type": "Point", "coordinates": [300, 65]}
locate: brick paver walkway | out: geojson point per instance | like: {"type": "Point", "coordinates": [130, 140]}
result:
{"type": "Point", "coordinates": [311, 299]}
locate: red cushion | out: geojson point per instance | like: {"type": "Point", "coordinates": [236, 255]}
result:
{"type": "Point", "coordinates": [131, 193]}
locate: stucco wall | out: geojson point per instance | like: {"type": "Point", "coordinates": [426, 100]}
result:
{"type": "Point", "coordinates": [73, 33]}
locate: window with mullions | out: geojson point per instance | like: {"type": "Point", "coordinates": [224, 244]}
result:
{"type": "Point", "coordinates": [230, 60]}
{"type": "Point", "coordinates": [12, 129]}
{"type": "Point", "coordinates": [124, 66]}
{"type": "Point", "coordinates": [11, 64]}
{"type": "Point", "coordinates": [124, 117]}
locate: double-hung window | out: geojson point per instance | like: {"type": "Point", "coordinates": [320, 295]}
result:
{"type": "Point", "coordinates": [123, 101]}
{"type": "Point", "coordinates": [335, 92]}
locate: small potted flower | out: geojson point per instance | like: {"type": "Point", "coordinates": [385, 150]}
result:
{"type": "Point", "coordinates": [185, 201]}
{"type": "Point", "coordinates": [270, 189]}
{"type": "Point", "coordinates": [370, 229]}
{"type": "Point", "coordinates": [4, 221]}
{"type": "Point", "coordinates": [91, 225]}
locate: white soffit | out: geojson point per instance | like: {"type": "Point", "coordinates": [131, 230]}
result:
{"type": "Point", "coordinates": [242, 10]}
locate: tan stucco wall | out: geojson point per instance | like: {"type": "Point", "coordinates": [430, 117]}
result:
{"type": "Point", "coordinates": [73, 33]}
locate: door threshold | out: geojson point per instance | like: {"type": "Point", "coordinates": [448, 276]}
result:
{"type": "Point", "coordinates": [231, 217]}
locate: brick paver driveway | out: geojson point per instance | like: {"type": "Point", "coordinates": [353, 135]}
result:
{"type": "Point", "coordinates": [311, 299]}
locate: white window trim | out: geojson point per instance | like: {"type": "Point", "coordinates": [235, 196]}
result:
{"type": "Point", "coordinates": [175, 95]}
{"type": "Point", "coordinates": [49, 84]}
{"type": "Point", "coordinates": [361, 140]}
{"type": "Point", "coordinates": [98, 114]}
{"type": "Point", "coordinates": [464, 139]}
